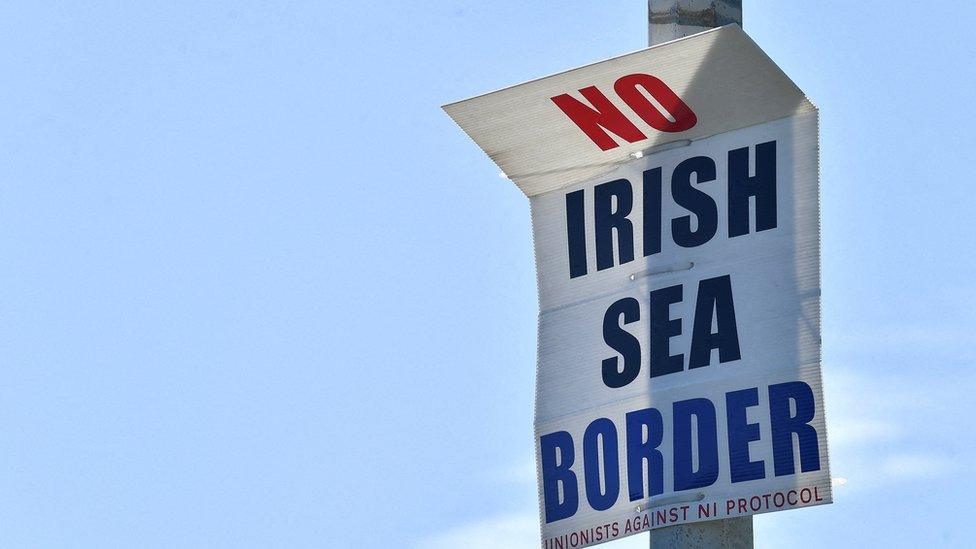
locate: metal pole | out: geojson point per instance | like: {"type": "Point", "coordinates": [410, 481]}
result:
{"type": "Point", "coordinates": [668, 20]}
{"type": "Point", "coordinates": [671, 19]}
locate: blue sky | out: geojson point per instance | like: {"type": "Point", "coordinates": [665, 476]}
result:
{"type": "Point", "coordinates": [257, 290]}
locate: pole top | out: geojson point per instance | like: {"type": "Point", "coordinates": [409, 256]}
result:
{"type": "Point", "coordinates": [672, 19]}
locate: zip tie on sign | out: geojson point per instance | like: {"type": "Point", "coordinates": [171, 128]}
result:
{"type": "Point", "coordinates": [632, 156]}
{"type": "Point", "coordinates": [667, 500]}
{"type": "Point", "coordinates": [686, 266]}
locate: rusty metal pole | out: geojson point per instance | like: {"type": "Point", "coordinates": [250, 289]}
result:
{"type": "Point", "coordinates": [668, 20]}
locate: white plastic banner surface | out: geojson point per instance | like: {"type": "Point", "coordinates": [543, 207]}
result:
{"type": "Point", "coordinates": [675, 209]}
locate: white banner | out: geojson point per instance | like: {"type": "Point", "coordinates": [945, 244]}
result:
{"type": "Point", "coordinates": [679, 284]}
